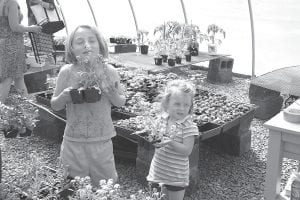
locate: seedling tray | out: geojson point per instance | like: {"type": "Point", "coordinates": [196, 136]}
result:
{"type": "Point", "coordinates": [209, 130]}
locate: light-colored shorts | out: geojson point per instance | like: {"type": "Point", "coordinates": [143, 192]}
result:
{"type": "Point", "coordinates": [94, 159]}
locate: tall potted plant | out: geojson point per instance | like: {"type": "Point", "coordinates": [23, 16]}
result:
{"type": "Point", "coordinates": [143, 41]}
{"type": "Point", "coordinates": [215, 34]}
{"type": "Point", "coordinates": [191, 33]}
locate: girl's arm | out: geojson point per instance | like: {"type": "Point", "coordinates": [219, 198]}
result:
{"type": "Point", "coordinates": [13, 18]}
{"type": "Point", "coordinates": [116, 93]}
{"type": "Point", "coordinates": [184, 148]}
{"type": "Point", "coordinates": [61, 95]}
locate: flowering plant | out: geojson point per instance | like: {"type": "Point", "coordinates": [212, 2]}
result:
{"type": "Point", "coordinates": [40, 182]}
{"type": "Point", "coordinates": [17, 114]}
{"type": "Point", "coordinates": [89, 77]}
{"type": "Point", "coordinates": [156, 129]}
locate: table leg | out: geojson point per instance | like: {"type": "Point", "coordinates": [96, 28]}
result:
{"type": "Point", "coordinates": [274, 164]}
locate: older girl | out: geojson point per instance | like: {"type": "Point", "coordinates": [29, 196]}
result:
{"type": "Point", "coordinates": [170, 163]}
{"type": "Point", "coordinates": [87, 147]}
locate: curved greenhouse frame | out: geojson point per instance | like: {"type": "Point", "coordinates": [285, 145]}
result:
{"type": "Point", "coordinates": [272, 45]}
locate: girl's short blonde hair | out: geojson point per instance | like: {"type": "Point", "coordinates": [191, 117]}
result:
{"type": "Point", "coordinates": [177, 85]}
{"type": "Point", "coordinates": [103, 49]}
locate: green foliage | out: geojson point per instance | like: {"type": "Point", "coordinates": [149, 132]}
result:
{"type": "Point", "coordinates": [143, 37]}
{"type": "Point", "coordinates": [212, 31]}
{"type": "Point", "coordinates": [18, 113]}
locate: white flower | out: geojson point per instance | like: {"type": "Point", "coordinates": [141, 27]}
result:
{"type": "Point", "coordinates": [105, 187]}
{"type": "Point", "coordinates": [88, 187]}
{"type": "Point", "coordinates": [110, 182]}
{"type": "Point", "coordinates": [102, 182]}
{"type": "Point", "coordinates": [117, 186]}
{"type": "Point", "coordinates": [101, 192]}
{"type": "Point", "coordinates": [112, 192]}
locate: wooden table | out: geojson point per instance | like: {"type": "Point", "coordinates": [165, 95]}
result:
{"type": "Point", "coordinates": [146, 62]}
{"type": "Point", "coordinates": [284, 142]}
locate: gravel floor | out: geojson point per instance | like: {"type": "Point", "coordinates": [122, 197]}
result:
{"type": "Point", "coordinates": [221, 176]}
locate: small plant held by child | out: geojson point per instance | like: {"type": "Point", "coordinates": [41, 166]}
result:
{"type": "Point", "coordinates": [155, 130]}
{"type": "Point", "coordinates": [90, 82]}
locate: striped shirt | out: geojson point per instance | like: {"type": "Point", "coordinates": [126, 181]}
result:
{"type": "Point", "coordinates": [171, 168]}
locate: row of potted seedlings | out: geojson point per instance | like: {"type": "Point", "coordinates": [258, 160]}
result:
{"type": "Point", "coordinates": [120, 40]}
{"type": "Point", "coordinates": [171, 60]}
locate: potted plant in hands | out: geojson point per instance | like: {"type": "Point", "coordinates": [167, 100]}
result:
{"type": "Point", "coordinates": [213, 41]}
{"type": "Point", "coordinates": [143, 41]}
{"type": "Point", "coordinates": [90, 83]}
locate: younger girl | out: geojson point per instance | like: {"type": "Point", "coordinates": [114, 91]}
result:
{"type": "Point", "coordinates": [170, 163]}
{"type": "Point", "coordinates": [87, 147]}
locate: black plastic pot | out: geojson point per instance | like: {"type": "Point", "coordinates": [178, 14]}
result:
{"type": "Point", "coordinates": [91, 95]}
{"type": "Point", "coordinates": [178, 60]}
{"type": "Point", "coordinates": [112, 40]}
{"type": "Point", "coordinates": [128, 41]}
{"type": "Point", "coordinates": [158, 61]}
{"type": "Point", "coordinates": [59, 47]}
{"type": "Point", "coordinates": [193, 51]}
{"type": "Point", "coordinates": [77, 96]}
{"type": "Point", "coordinates": [144, 49]}
{"type": "Point", "coordinates": [171, 61]}
{"type": "Point", "coordinates": [165, 58]}
{"type": "Point", "coordinates": [27, 133]}
{"type": "Point", "coordinates": [188, 57]}
{"type": "Point", "coordinates": [11, 133]}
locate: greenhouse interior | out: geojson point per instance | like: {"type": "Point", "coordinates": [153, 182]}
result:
{"type": "Point", "coordinates": [149, 100]}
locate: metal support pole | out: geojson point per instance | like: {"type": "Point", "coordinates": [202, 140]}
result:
{"type": "Point", "coordinates": [253, 38]}
{"type": "Point", "coordinates": [184, 12]}
{"type": "Point", "coordinates": [134, 17]}
{"type": "Point", "coordinates": [92, 11]}
{"type": "Point", "coordinates": [63, 16]}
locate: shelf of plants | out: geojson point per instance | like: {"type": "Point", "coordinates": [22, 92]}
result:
{"type": "Point", "coordinates": [213, 113]}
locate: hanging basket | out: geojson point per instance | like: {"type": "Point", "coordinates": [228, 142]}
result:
{"type": "Point", "coordinates": [48, 16]}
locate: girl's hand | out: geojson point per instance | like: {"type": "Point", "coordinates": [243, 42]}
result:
{"type": "Point", "coordinates": [109, 88]}
{"type": "Point", "coordinates": [163, 142]}
{"type": "Point", "coordinates": [66, 94]}
{"type": "Point", "coordinates": [35, 29]}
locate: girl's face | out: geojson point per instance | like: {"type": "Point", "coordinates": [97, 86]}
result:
{"type": "Point", "coordinates": [179, 105]}
{"type": "Point", "coordinates": [85, 43]}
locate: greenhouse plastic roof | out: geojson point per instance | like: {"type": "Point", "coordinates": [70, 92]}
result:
{"type": "Point", "coordinates": [276, 25]}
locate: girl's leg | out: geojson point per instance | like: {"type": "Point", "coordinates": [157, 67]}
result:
{"type": "Point", "coordinates": [20, 85]}
{"type": "Point", "coordinates": [175, 195]}
{"type": "Point", "coordinates": [4, 88]}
